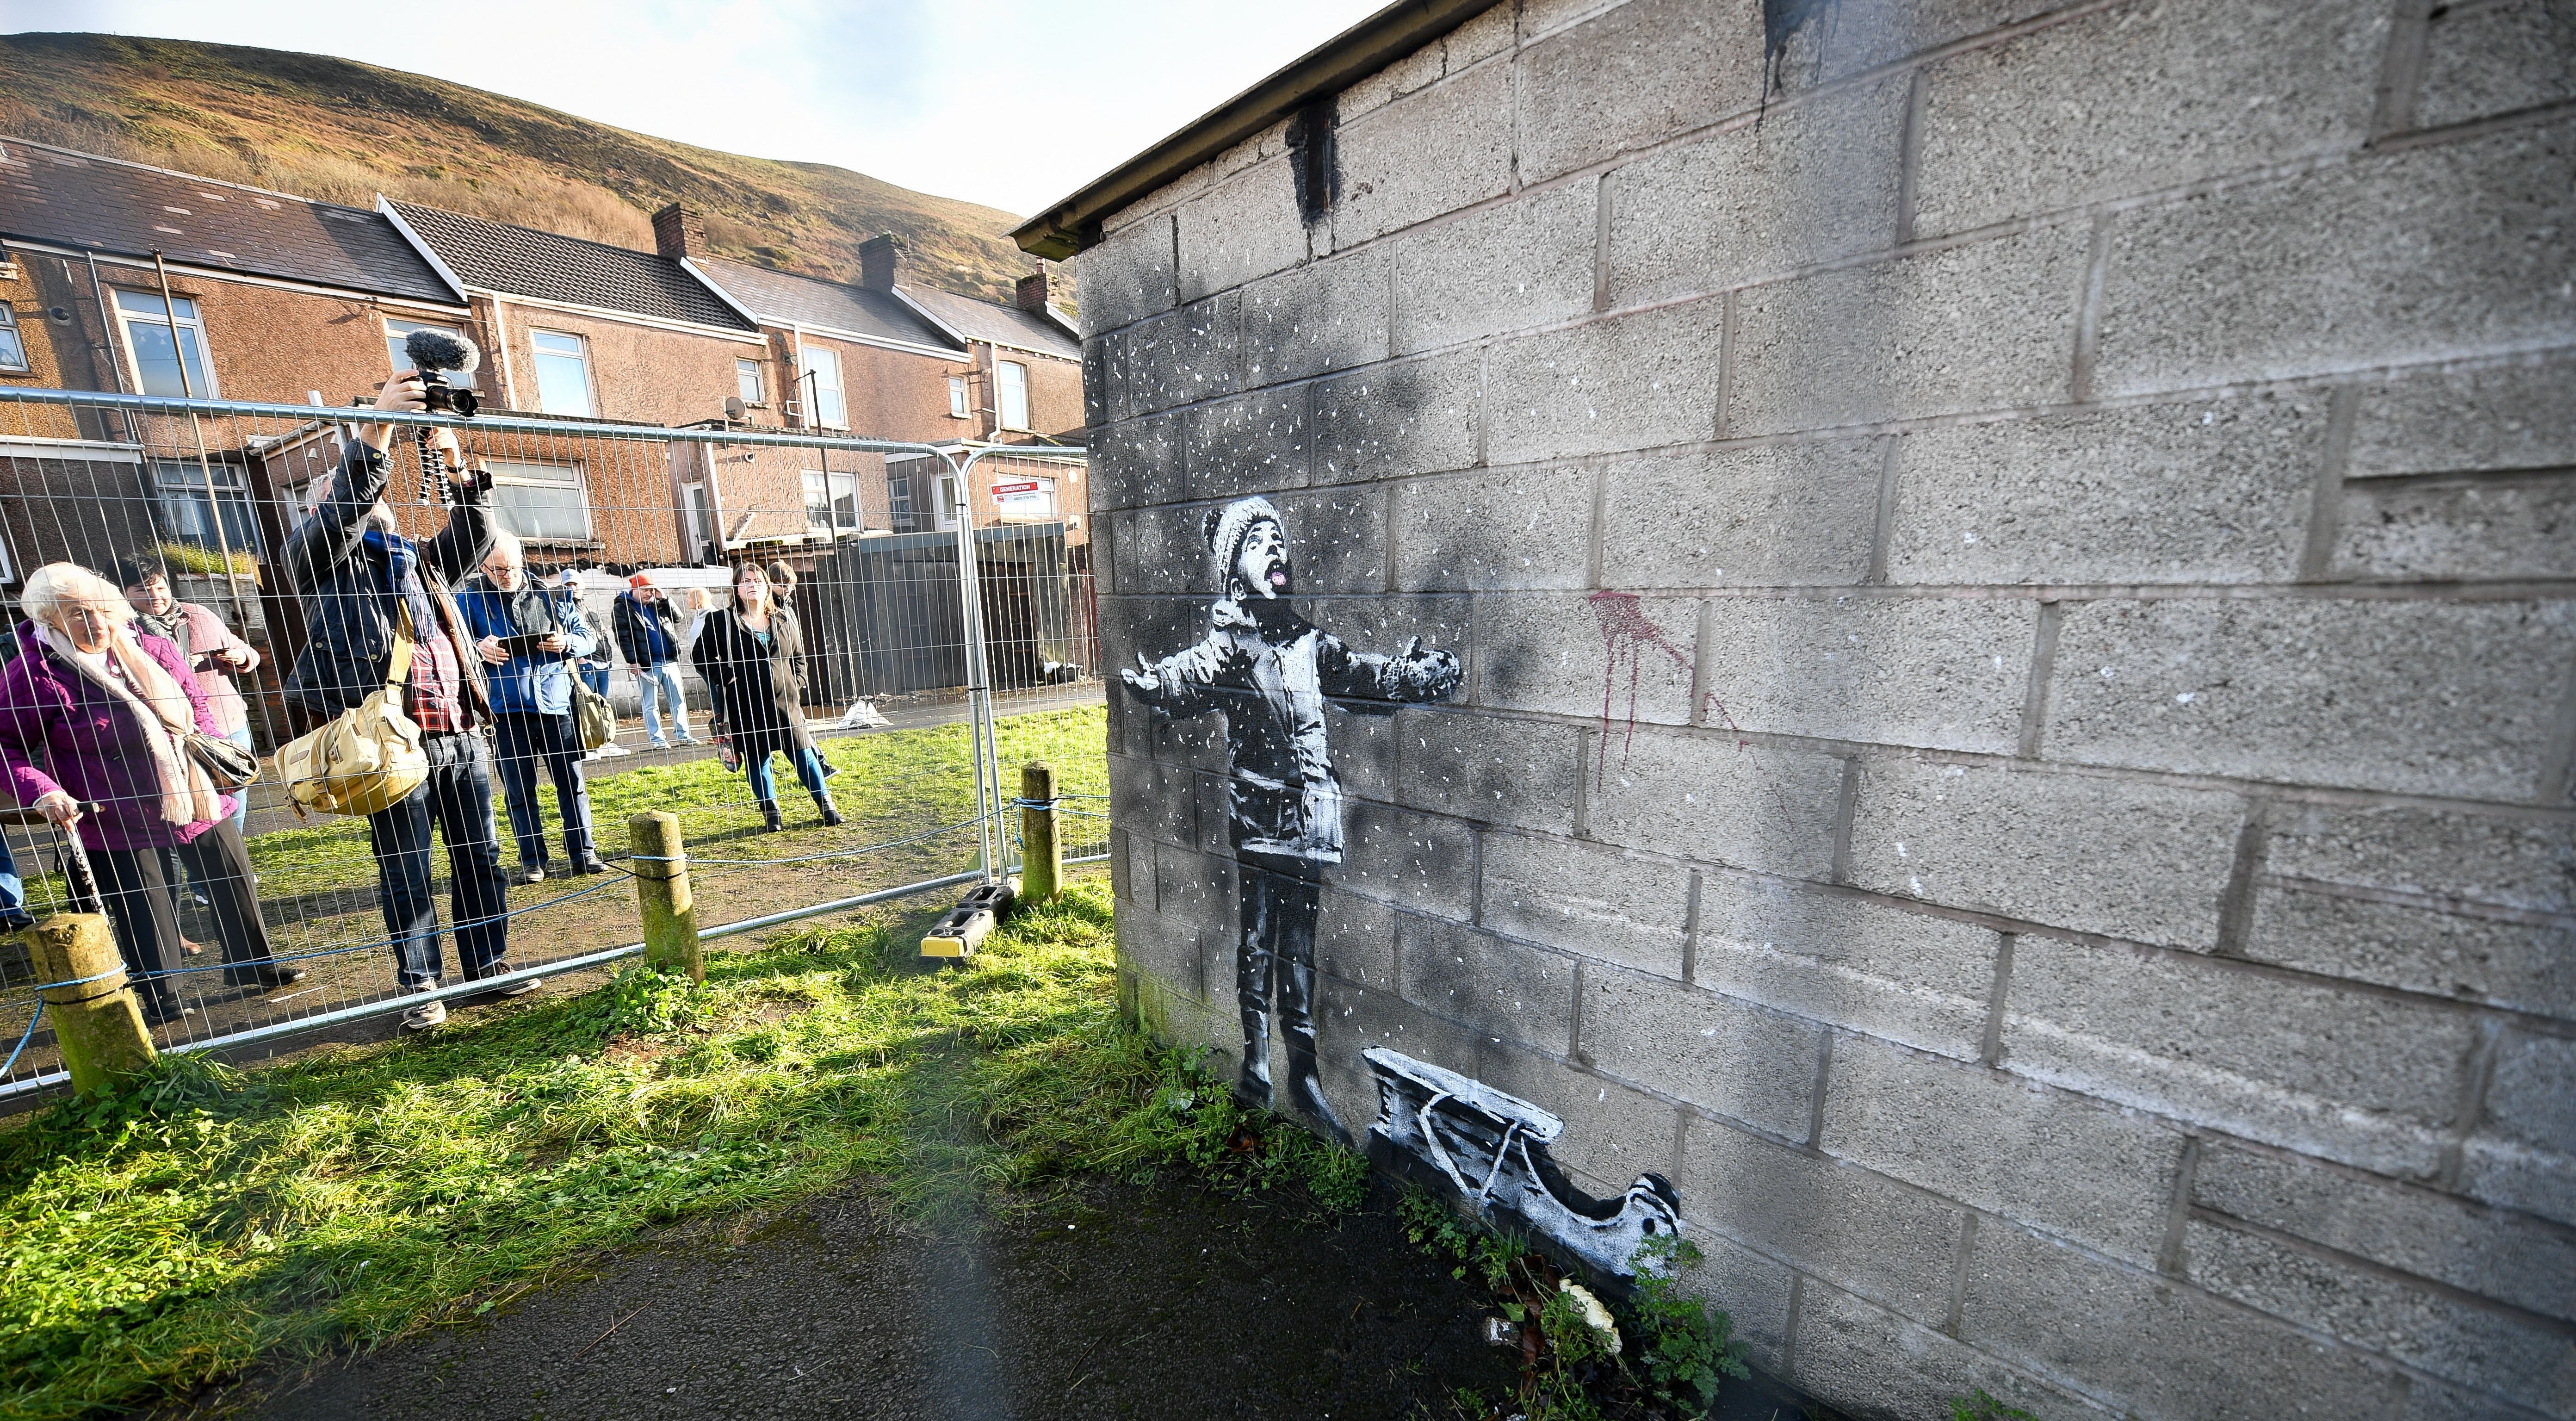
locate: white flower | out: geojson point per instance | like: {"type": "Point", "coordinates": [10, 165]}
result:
{"type": "Point", "coordinates": [1595, 1316]}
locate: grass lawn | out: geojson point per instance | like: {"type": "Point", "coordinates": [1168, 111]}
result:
{"type": "Point", "coordinates": [206, 1219]}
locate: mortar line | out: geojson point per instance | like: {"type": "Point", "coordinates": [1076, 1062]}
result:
{"type": "Point", "coordinates": [2535, 476]}
{"type": "Point", "coordinates": [2454, 592]}
{"type": "Point", "coordinates": [1690, 933]}
{"type": "Point", "coordinates": [1816, 1105]}
{"type": "Point", "coordinates": [2325, 500]}
{"type": "Point", "coordinates": [1846, 807]}
{"type": "Point", "coordinates": [2244, 875]}
{"type": "Point", "coordinates": [1395, 489]}
{"type": "Point", "coordinates": [2562, 1327]}
{"type": "Point", "coordinates": [2088, 310]}
{"type": "Point", "coordinates": [2472, 1103]}
{"type": "Point", "coordinates": [1574, 1021]}
{"type": "Point", "coordinates": [1725, 363]}
{"type": "Point", "coordinates": [1909, 159]}
{"type": "Point", "coordinates": [1484, 406]}
{"type": "Point", "coordinates": [1593, 537]}
{"type": "Point", "coordinates": [2474, 128]}
{"type": "Point", "coordinates": [1884, 531]}
{"type": "Point", "coordinates": [2401, 68]}
{"type": "Point", "coordinates": [1701, 676]}
{"type": "Point", "coordinates": [2043, 669]}
{"type": "Point", "coordinates": [1961, 1254]}
{"type": "Point", "coordinates": [1583, 752]}
{"type": "Point", "coordinates": [2557, 777]}
{"type": "Point", "coordinates": [1601, 240]}
{"type": "Point", "coordinates": [2429, 902]}
{"type": "Point", "coordinates": [1789, 1334]}
{"type": "Point", "coordinates": [2169, 1255]}
{"type": "Point", "coordinates": [1990, 1050]}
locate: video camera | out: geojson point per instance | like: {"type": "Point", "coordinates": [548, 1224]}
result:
{"type": "Point", "coordinates": [434, 354]}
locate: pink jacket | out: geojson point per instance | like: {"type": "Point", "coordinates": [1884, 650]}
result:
{"type": "Point", "coordinates": [58, 730]}
{"type": "Point", "coordinates": [207, 635]}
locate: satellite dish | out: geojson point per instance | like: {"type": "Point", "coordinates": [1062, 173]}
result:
{"type": "Point", "coordinates": [734, 407]}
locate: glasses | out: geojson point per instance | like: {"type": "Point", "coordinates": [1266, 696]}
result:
{"type": "Point", "coordinates": [104, 616]}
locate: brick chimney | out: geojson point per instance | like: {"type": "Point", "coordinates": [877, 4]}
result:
{"type": "Point", "coordinates": [881, 262]}
{"type": "Point", "coordinates": [680, 230]}
{"type": "Point", "coordinates": [1033, 294]}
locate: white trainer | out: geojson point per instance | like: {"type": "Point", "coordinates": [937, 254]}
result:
{"type": "Point", "coordinates": [421, 1016]}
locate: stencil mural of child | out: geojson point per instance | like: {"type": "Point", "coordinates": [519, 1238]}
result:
{"type": "Point", "coordinates": [1269, 671]}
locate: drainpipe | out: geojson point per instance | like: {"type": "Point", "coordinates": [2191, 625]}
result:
{"type": "Point", "coordinates": [197, 431]}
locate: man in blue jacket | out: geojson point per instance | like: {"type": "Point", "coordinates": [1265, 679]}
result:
{"type": "Point", "coordinates": [530, 650]}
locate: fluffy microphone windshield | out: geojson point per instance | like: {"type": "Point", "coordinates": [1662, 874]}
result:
{"type": "Point", "coordinates": [437, 350]}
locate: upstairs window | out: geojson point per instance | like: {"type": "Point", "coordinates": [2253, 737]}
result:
{"type": "Point", "coordinates": [13, 350]}
{"type": "Point", "coordinates": [541, 501]}
{"type": "Point", "coordinates": [188, 503]}
{"type": "Point", "coordinates": [563, 375]}
{"type": "Point", "coordinates": [822, 374]}
{"type": "Point", "coordinates": [957, 408]}
{"type": "Point", "coordinates": [1011, 393]}
{"type": "Point", "coordinates": [172, 363]}
{"type": "Point", "coordinates": [397, 331]}
{"type": "Point", "coordinates": [746, 375]}
{"type": "Point", "coordinates": [831, 502]}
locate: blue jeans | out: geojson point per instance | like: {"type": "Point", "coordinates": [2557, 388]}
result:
{"type": "Point", "coordinates": [527, 744]}
{"type": "Point", "coordinates": [456, 801]}
{"type": "Point", "coordinates": [595, 675]}
{"type": "Point", "coordinates": [651, 685]}
{"type": "Point", "coordinates": [13, 894]}
{"type": "Point", "coordinates": [764, 785]}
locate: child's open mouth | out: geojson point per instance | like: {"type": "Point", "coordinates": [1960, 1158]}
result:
{"type": "Point", "coordinates": [1278, 577]}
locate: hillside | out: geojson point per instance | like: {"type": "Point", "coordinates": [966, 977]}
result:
{"type": "Point", "coordinates": [342, 131]}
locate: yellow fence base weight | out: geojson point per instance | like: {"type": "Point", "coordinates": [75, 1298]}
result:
{"type": "Point", "coordinates": [973, 919]}
{"type": "Point", "coordinates": [97, 1025]}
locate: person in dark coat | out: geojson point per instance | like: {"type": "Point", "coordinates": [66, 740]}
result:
{"type": "Point", "coordinates": [361, 582]}
{"type": "Point", "coordinates": [532, 702]}
{"type": "Point", "coordinates": [96, 713]}
{"type": "Point", "coordinates": [752, 657]}
{"type": "Point", "coordinates": [649, 636]}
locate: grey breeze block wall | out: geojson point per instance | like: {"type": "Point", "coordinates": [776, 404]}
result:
{"type": "Point", "coordinates": [2018, 719]}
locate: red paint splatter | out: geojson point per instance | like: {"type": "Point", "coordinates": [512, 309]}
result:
{"type": "Point", "coordinates": [1626, 631]}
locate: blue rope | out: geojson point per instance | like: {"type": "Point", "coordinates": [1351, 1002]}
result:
{"type": "Point", "coordinates": [374, 943]}
{"type": "Point", "coordinates": [30, 1033]}
{"type": "Point", "coordinates": [693, 859]}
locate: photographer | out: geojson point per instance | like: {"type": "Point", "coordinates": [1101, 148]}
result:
{"type": "Point", "coordinates": [530, 645]}
{"type": "Point", "coordinates": [363, 584]}
{"type": "Point", "coordinates": [649, 637]}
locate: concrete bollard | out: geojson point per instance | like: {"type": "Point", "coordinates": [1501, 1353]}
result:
{"type": "Point", "coordinates": [97, 1025]}
{"type": "Point", "coordinates": [661, 869]}
{"type": "Point", "coordinates": [1041, 851]}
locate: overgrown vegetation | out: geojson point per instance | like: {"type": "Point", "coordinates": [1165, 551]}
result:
{"type": "Point", "coordinates": [202, 1219]}
{"type": "Point", "coordinates": [1660, 1353]}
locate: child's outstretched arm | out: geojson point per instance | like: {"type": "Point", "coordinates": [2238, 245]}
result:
{"type": "Point", "coordinates": [1410, 675]}
{"type": "Point", "coordinates": [1183, 683]}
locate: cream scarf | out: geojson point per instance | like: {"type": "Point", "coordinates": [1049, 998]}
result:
{"type": "Point", "coordinates": [188, 794]}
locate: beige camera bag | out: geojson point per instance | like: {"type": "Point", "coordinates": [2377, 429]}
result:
{"type": "Point", "coordinates": [368, 758]}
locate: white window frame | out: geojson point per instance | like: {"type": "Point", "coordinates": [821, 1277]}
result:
{"type": "Point", "coordinates": [943, 508]}
{"type": "Point", "coordinates": [958, 408]}
{"type": "Point", "coordinates": [186, 479]}
{"type": "Point", "coordinates": [396, 329]}
{"type": "Point", "coordinates": [192, 324]}
{"type": "Point", "coordinates": [834, 483]}
{"type": "Point", "coordinates": [831, 410]}
{"type": "Point", "coordinates": [14, 337]}
{"type": "Point", "coordinates": [750, 383]}
{"type": "Point", "coordinates": [538, 355]}
{"type": "Point", "coordinates": [1003, 391]}
{"type": "Point", "coordinates": [505, 475]}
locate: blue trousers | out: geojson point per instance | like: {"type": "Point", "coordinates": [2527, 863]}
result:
{"type": "Point", "coordinates": [528, 745]}
{"type": "Point", "coordinates": [764, 785]}
{"type": "Point", "coordinates": [13, 894]}
{"type": "Point", "coordinates": [457, 802]}
{"type": "Point", "coordinates": [652, 684]}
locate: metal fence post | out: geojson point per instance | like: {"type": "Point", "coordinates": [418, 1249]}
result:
{"type": "Point", "coordinates": [661, 866]}
{"type": "Point", "coordinates": [97, 1025]}
{"type": "Point", "coordinates": [1041, 852]}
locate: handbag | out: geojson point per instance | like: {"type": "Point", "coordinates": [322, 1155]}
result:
{"type": "Point", "coordinates": [591, 714]}
{"type": "Point", "coordinates": [230, 766]}
{"type": "Point", "coordinates": [369, 758]}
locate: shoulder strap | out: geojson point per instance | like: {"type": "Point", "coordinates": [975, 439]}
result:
{"type": "Point", "coordinates": [400, 671]}
{"type": "Point", "coordinates": [182, 636]}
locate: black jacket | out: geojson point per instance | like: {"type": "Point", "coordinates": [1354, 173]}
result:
{"type": "Point", "coordinates": [626, 622]}
{"type": "Point", "coordinates": [346, 590]}
{"type": "Point", "coordinates": [759, 693]}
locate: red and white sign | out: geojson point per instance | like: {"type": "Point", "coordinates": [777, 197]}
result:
{"type": "Point", "coordinates": [1003, 492]}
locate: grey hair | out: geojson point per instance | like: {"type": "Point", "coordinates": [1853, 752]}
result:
{"type": "Point", "coordinates": [50, 586]}
{"type": "Point", "coordinates": [505, 541]}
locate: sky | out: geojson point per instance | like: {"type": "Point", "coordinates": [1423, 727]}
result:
{"type": "Point", "coordinates": [1011, 103]}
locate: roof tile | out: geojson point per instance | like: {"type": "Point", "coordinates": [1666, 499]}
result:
{"type": "Point", "coordinates": [548, 266]}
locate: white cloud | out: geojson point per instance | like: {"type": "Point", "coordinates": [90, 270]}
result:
{"type": "Point", "coordinates": [1005, 102]}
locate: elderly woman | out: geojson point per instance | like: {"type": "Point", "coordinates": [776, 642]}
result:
{"type": "Point", "coordinates": [96, 715]}
{"type": "Point", "coordinates": [752, 658]}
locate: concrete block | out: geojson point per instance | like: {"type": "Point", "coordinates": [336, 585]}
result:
{"type": "Point", "coordinates": [1355, 940]}
{"type": "Point", "coordinates": [1410, 74]}
{"type": "Point", "coordinates": [2132, 860]}
{"type": "Point", "coordinates": [2489, 1348]}
{"type": "Point", "coordinates": [1939, 673]}
{"type": "Point", "coordinates": [1864, 36]}
{"type": "Point", "coordinates": [1982, 326]}
{"type": "Point", "coordinates": [1383, 626]}
{"type": "Point", "coordinates": [1127, 277]}
{"type": "Point", "coordinates": [1136, 462]}
{"type": "Point", "coordinates": [2416, 256]}
{"type": "Point", "coordinates": [2493, 1253]}
{"type": "Point", "coordinates": [1612, 1134]}
{"type": "Point", "coordinates": [1165, 948]}
{"type": "Point", "coordinates": [1495, 530]}
{"type": "Point", "coordinates": [1850, 962]}
{"type": "Point", "coordinates": [1716, 801]}
{"type": "Point", "coordinates": [2520, 415]}
{"type": "Point", "coordinates": [2431, 1399]}
{"type": "Point", "coordinates": [1828, 1220]}
{"type": "Point", "coordinates": [1622, 382]}
{"type": "Point", "coordinates": [1410, 418]}
{"type": "Point", "coordinates": [1351, 1019]}
{"type": "Point", "coordinates": [1611, 655]}
{"type": "Point", "coordinates": [2523, 1153]}
{"type": "Point", "coordinates": [1767, 516]}
{"type": "Point", "coordinates": [1363, 739]}
{"type": "Point", "coordinates": [2119, 1333]}
{"type": "Point", "coordinates": [1158, 551]}
{"type": "Point", "coordinates": [1870, 1363]}
{"type": "Point", "coordinates": [1634, 76]}
{"type": "Point", "coordinates": [1527, 262]}
{"type": "Point", "coordinates": [1443, 147]}
{"type": "Point", "coordinates": [2501, 859]}
{"type": "Point", "coordinates": [2101, 1177]}
{"type": "Point", "coordinates": [1251, 443]}
{"type": "Point", "coordinates": [1194, 887]}
{"type": "Point", "coordinates": [2203, 491]}
{"type": "Point", "coordinates": [1414, 861]}
{"type": "Point", "coordinates": [2355, 1076]}
{"type": "Point", "coordinates": [2520, 962]}
{"type": "Point", "coordinates": [2446, 699]}
{"type": "Point", "coordinates": [1336, 539]}
{"type": "Point", "coordinates": [1753, 1292]}
{"type": "Point", "coordinates": [1714, 1052]}
{"type": "Point", "coordinates": [1241, 230]}
{"type": "Point", "coordinates": [2458, 530]}
{"type": "Point", "coordinates": [1153, 802]}
{"type": "Point", "coordinates": [1587, 900]}
{"type": "Point", "coordinates": [1493, 769]}
{"type": "Point", "coordinates": [1323, 316]}
{"type": "Point", "coordinates": [1814, 182]}
{"type": "Point", "coordinates": [1193, 354]}
{"type": "Point", "coordinates": [2140, 97]}
{"type": "Point", "coordinates": [2481, 60]}
{"type": "Point", "coordinates": [1504, 990]}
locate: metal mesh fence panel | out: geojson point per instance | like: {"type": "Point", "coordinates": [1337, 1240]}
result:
{"type": "Point", "coordinates": [871, 738]}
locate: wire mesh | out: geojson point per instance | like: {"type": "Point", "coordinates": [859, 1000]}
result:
{"type": "Point", "coordinates": [888, 558]}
